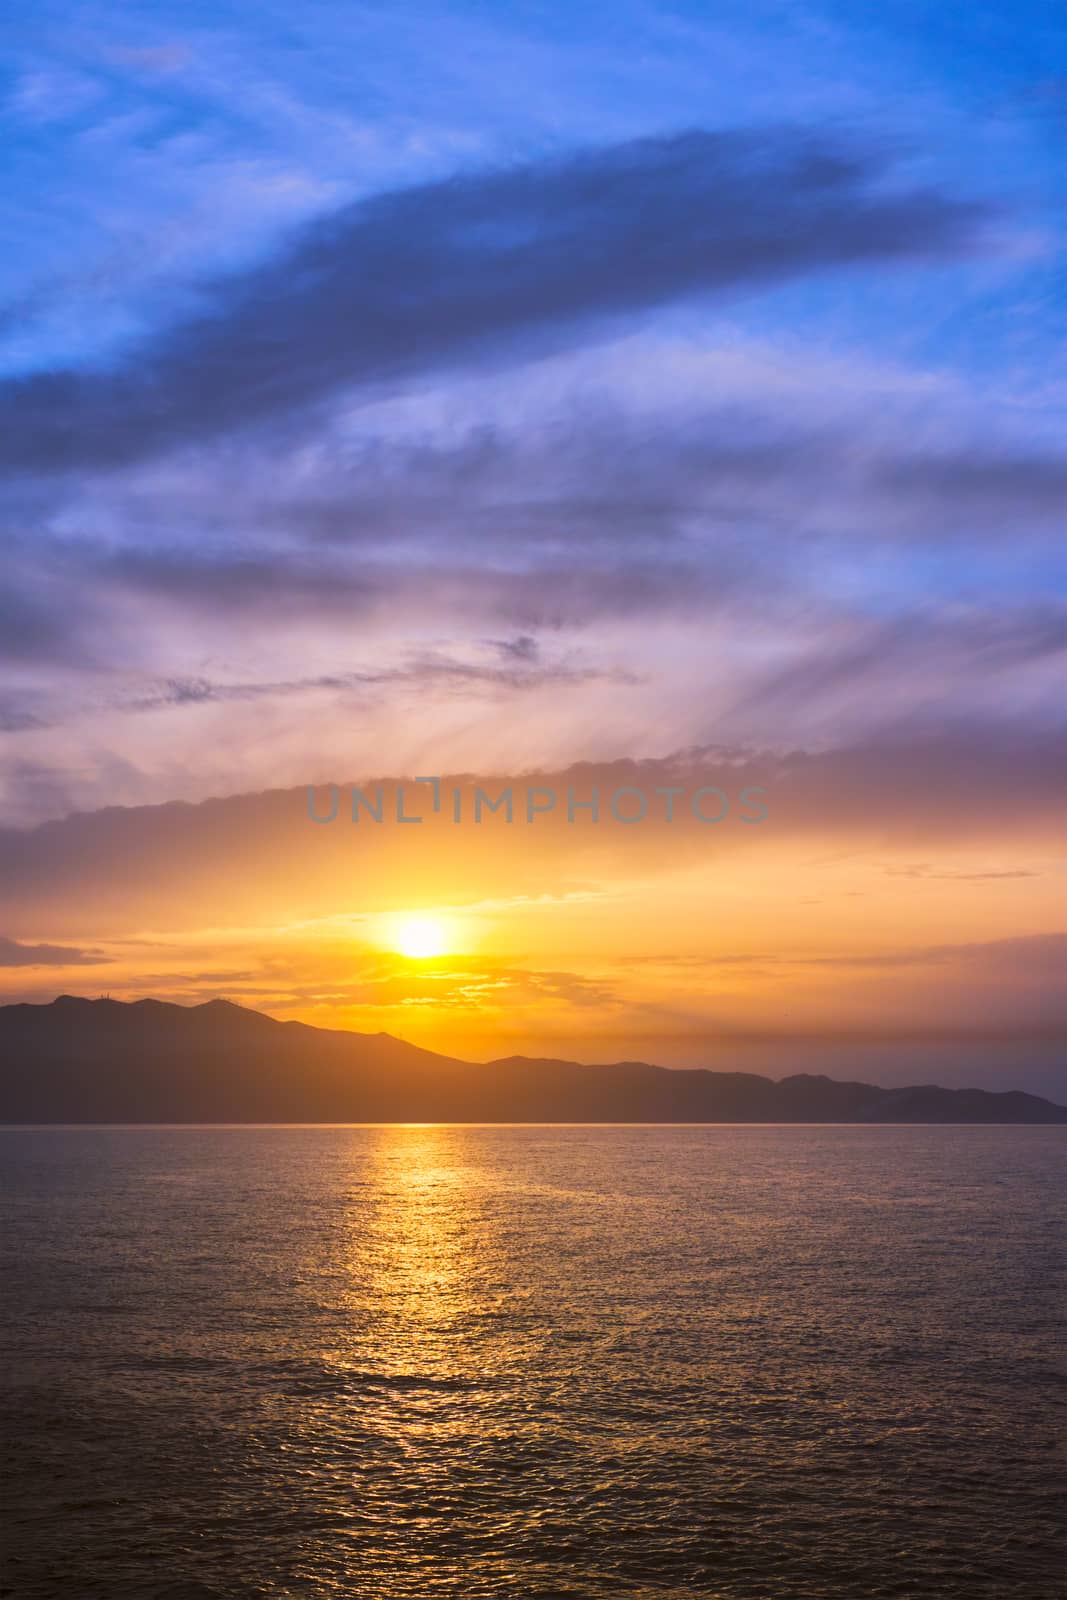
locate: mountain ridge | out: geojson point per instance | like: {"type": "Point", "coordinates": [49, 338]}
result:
{"type": "Point", "coordinates": [76, 1059]}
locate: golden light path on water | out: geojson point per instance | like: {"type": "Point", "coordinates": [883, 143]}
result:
{"type": "Point", "coordinates": [532, 1363]}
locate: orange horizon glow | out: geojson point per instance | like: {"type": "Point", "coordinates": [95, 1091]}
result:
{"type": "Point", "coordinates": [588, 940]}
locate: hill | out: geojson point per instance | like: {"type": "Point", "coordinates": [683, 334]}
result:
{"type": "Point", "coordinates": [79, 1060]}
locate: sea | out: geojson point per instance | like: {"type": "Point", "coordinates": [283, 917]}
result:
{"type": "Point", "coordinates": [542, 1363]}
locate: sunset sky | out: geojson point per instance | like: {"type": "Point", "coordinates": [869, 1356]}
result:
{"type": "Point", "coordinates": [610, 395]}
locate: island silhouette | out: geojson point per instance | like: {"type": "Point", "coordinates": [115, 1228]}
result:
{"type": "Point", "coordinates": [86, 1061]}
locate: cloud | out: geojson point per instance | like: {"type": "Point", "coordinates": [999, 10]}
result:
{"type": "Point", "coordinates": [1038, 955]}
{"type": "Point", "coordinates": [136, 866]}
{"type": "Point", "coordinates": [925, 870]}
{"type": "Point", "coordinates": [559, 500]}
{"type": "Point", "coordinates": [14, 954]}
{"type": "Point", "coordinates": [727, 546]}
{"type": "Point", "coordinates": [449, 984]}
{"type": "Point", "coordinates": [981, 485]}
{"type": "Point", "coordinates": [14, 718]}
{"type": "Point", "coordinates": [480, 267]}
{"type": "Point", "coordinates": [887, 666]}
{"type": "Point", "coordinates": [522, 671]}
{"type": "Point", "coordinates": [153, 60]}
{"type": "Point", "coordinates": [31, 627]}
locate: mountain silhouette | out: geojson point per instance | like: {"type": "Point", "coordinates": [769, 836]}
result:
{"type": "Point", "coordinates": [79, 1060]}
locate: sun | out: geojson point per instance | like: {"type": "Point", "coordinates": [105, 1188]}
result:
{"type": "Point", "coordinates": [418, 938]}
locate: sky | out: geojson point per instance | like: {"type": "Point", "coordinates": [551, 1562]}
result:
{"type": "Point", "coordinates": [568, 396]}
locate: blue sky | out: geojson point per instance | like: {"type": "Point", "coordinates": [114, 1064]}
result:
{"type": "Point", "coordinates": [129, 127]}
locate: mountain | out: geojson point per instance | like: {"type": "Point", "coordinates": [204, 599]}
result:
{"type": "Point", "coordinates": [149, 1061]}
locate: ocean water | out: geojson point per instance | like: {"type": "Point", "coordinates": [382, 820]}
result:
{"type": "Point", "coordinates": [544, 1363]}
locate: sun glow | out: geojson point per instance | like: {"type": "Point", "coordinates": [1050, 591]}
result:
{"type": "Point", "coordinates": [418, 938]}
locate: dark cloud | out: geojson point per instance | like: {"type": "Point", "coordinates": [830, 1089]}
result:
{"type": "Point", "coordinates": [14, 954]}
{"type": "Point", "coordinates": [1037, 956]}
{"type": "Point", "coordinates": [477, 266]}
{"type": "Point", "coordinates": [279, 581]}
{"type": "Point", "coordinates": [980, 486]}
{"type": "Point", "coordinates": [565, 520]}
{"type": "Point", "coordinates": [868, 660]}
{"type": "Point", "coordinates": [32, 628]}
{"type": "Point", "coordinates": [522, 648]}
{"type": "Point", "coordinates": [14, 718]}
{"type": "Point", "coordinates": [524, 672]}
